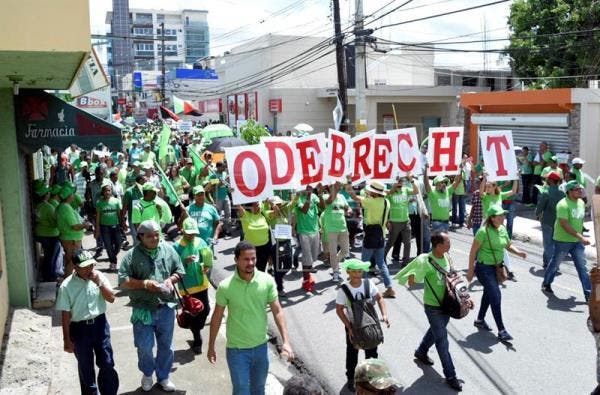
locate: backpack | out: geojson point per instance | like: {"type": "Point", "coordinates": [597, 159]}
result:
{"type": "Point", "coordinates": [366, 329]}
{"type": "Point", "coordinates": [456, 301]}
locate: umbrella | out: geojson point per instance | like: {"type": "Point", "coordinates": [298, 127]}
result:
{"type": "Point", "coordinates": [216, 127]}
{"type": "Point", "coordinates": [218, 145]}
{"type": "Point", "coordinates": [216, 131]}
{"type": "Point", "coordinates": [303, 127]}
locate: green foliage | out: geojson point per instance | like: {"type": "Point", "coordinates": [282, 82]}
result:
{"type": "Point", "coordinates": [552, 38]}
{"type": "Point", "coordinates": [252, 132]}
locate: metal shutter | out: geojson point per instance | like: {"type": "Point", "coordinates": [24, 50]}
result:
{"type": "Point", "coordinates": [531, 136]}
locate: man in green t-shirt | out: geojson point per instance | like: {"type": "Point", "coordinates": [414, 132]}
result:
{"type": "Point", "coordinates": [306, 211]}
{"type": "Point", "coordinates": [399, 225]}
{"type": "Point", "coordinates": [219, 181]}
{"type": "Point", "coordinates": [439, 198]}
{"type": "Point", "coordinates": [568, 238]}
{"type": "Point", "coordinates": [246, 295]}
{"type": "Point", "coordinates": [540, 161]}
{"type": "Point", "coordinates": [579, 174]}
{"type": "Point", "coordinates": [335, 228]}
{"type": "Point", "coordinates": [147, 208]}
{"type": "Point", "coordinates": [420, 270]}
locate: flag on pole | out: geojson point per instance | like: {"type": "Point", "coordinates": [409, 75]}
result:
{"type": "Point", "coordinates": [163, 141]}
{"type": "Point", "coordinates": [169, 189]}
{"type": "Point", "coordinates": [338, 114]}
{"type": "Point", "coordinates": [184, 106]}
{"type": "Point", "coordinates": [198, 162]}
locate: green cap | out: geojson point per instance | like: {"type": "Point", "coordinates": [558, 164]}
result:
{"type": "Point", "coordinates": [479, 168]}
{"type": "Point", "coordinates": [83, 258]}
{"type": "Point", "coordinates": [573, 184]}
{"type": "Point", "coordinates": [190, 226]}
{"type": "Point", "coordinates": [66, 191]}
{"type": "Point", "coordinates": [148, 186]}
{"type": "Point", "coordinates": [41, 189]}
{"type": "Point", "coordinates": [198, 189]}
{"type": "Point", "coordinates": [55, 189]}
{"type": "Point", "coordinates": [355, 264]}
{"type": "Point", "coordinates": [495, 210]}
{"type": "Point", "coordinates": [439, 179]}
{"type": "Point", "coordinates": [376, 373]}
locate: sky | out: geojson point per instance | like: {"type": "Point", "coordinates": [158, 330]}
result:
{"type": "Point", "coordinates": [231, 22]}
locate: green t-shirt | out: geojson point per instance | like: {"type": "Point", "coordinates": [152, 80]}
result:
{"type": "Point", "coordinates": [132, 195]}
{"type": "Point", "coordinates": [205, 216]}
{"type": "Point", "coordinates": [488, 201]}
{"type": "Point", "coordinates": [189, 175]}
{"type": "Point", "coordinates": [307, 223]}
{"type": "Point", "coordinates": [67, 217]}
{"type": "Point", "coordinates": [256, 228]}
{"type": "Point", "coordinates": [399, 204]}
{"type": "Point", "coordinates": [440, 204]}
{"type": "Point", "coordinates": [546, 170]}
{"type": "Point", "coordinates": [574, 212]}
{"type": "Point", "coordinates": [195, 280]}
{"type": "Point", "coordinates": [334, 215]}
{"type": "Point", "coordinates": [220, 189]}
{"type": "Point", "coordinates": [579, 176]}
{"type": "Point", "coordinates": [526, 167]}
{"type": "Point", "coordinates": [460, 188]}
{"type": "Point", "coordinates": [77, 202]}
{"type": "Point", "coordinates": [499, 241]}
{"type": "Point", "coordinates": [45, 220]}
{"type": "Point", "coordinates": [109, 211]}
{"type": "Point", "coordinates": [246, 304]}
{"type": "Point", "coordinates": [424, 272]}
{"type": "Point", "coordinates": [374, 211]}
{"type": "Point", "coordinates": [537, 170]}
{"type": "Point", "coordinates": [145, 210]}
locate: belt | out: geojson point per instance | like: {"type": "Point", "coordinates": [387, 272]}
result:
{"type": "Point", "coordinates": [90, 321]}
{"type": "Point", "coordinates": [439, 220]}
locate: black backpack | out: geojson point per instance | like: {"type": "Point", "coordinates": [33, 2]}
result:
{"type": "Point", "coordinates": [366, 329]}
{"type": "Point", "coordinates": [456, 301]}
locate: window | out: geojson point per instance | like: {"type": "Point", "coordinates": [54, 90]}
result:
{"type": "Point", "coordinates": [144, 47]}
{"type": "Point", "coordinates": [142, 31]}
{"type": "Point", "coordinates": [469, 81]}
{"type": "Point", "coordinates": [160, 17]}
{"type": "Point", "coordinates": [168, 32]}
{"type": "Point", "coordinates": [143, 18]}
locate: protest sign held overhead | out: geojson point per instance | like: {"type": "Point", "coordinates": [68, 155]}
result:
{"type": "Point", "coordinates": [279, 163]}
{"type": "Point", "coordinates": [498, 153]}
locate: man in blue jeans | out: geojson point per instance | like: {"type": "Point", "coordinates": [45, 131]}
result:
{"type": "Point", "coordinates": [149, 271]}
{"type": "Point", "coordinates": [568, 238]}
{"type": "Point", "coordinates": [421, 270]}
{"type": "Point", "coordinates": [246, 294]}
{"type": "Point", "coordinates": [545, 211]}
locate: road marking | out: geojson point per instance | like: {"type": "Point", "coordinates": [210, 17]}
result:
{"type": "Point", "coordinates": [120, 328]}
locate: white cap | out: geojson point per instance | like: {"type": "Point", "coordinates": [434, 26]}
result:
{"type": "Point", "coordinates": [578, 161]}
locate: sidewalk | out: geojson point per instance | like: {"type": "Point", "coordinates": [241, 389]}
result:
{"type": "Point", "coordinates": [33, 360]}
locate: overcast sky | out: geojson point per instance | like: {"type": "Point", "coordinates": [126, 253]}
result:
{"type": "Point", "coordinates": [233, 21]}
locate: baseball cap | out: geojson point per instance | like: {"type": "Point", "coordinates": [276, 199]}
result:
{"type": "Point", "coordinates": [578, 161]}
{"type": "Point", "coordinates": [439, 179]}
{"type": "Point", "coordinates": [355, 264]}
{"type": "Point", "coordinates": [83, 164]}
{"type": "Point", "coordinates": [148, 226]}
{"type": "Point", "coordinates": [573, 184]}
{"type": "Point", "coordinates": [41, 189]}
{"type": "Point", "coordinates": [148, 186]}
{"type": "Point", "coordinates": [554, 176]}
{"type": "Point", "coordinates": [198, 189]}
{"type": "Point", "coordinates": [55, 189]}
{"type": "Point", "coordinates": [83, 258]}
{"type": "Point", "coordinates": [190, 226]}
{"type": "Point", "coordinates": [495, 210]}
{"type": "Point", "coordinates": [376, 373]}
{"type": "Point", "coordinates": [66, 191]}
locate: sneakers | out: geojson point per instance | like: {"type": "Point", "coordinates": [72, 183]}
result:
{"type": "Point", "coordinates": [511, 277]}
{"type": "Point", "coordinates": [504, 336]}
{"type": "Point", "coordinates": [147, 383]}
{"type": "Point", "coordinates": [389, 293]}
{"type": "Point", "coordinates": [454, 383]}
{"type": "Point", "coordinates": [112, 267]}
{"type": "Point", "coordinates": [423, 358]}
{"type": "Point", "coordinates": [281, 293]}
{"type": "Point", "coordinates": [167, 385]}
{"type": "Point", "coordinates": [547, 289]}
{"type": "Point", "coordinates": [350, 385]}
{"type": "Point", "coordinates": [336, 277]}
{"type": "Point", "coordinates": [481, 324]}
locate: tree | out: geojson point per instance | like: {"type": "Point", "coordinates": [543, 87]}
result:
{"type": "Point", "coordinates": [252, 131]}
{"type": "Point", "coordinates": [555, 38]}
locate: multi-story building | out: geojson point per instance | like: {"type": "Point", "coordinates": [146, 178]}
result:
{"type": "Point", "coordinates": [186, 39]}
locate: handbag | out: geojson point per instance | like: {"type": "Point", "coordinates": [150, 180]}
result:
{"type": "Point", "coordinates": [190, 306]}
{"type": "Point", "coordinates": [374, 233]}
{"type": "Point", "coordinates": [501, 272]}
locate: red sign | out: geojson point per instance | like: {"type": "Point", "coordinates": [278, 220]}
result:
{"type": "Point", "coordinates": [275, 105]}
{"type": "Point", "coordinates": [121, 101]}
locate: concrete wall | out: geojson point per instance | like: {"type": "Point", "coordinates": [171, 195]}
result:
{"type": "Point", "coordinates": [3, 281]}
{"type": "Point", "coordinates": [299, 106]}
{"type": "Point", "coordinates": [13, 199]}
{"type": "Point", "coordinates": [412, 114]}
{"type": "Point", "coordinates": [33, 25]}
{"type": "Point", "coordinates": [589, 131]}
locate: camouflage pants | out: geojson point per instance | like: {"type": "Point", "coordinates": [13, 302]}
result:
{"type": "Point", "coordinates": [597, 339]}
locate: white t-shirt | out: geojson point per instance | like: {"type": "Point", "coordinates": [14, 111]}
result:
{"type": "Point", "coordinates": [357, 293]}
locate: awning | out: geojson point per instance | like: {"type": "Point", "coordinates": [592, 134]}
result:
{"type": "Point", "coordinates": [43, 119]}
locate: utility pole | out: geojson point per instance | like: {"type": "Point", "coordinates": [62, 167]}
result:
{"type": "Point", "coordinates": [162, 68]}
{"type": "Point", "coordinates": [340, 57]}
{"type": "Point", "coordinates": [360, 114]}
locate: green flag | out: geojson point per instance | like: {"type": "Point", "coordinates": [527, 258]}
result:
{"type": "Point", "coordinates": [165, 135]}
{"type": "Point", "coordinates": [169, 189]}
{"type": "Point", "coordinates": [198, 162]}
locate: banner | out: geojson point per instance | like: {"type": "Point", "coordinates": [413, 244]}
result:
{"type": "Point", "coordinates": [498, 153]}
{"type": "Point", "coordinates": [444, 150]}
{"type": "Point", "coordinates": [280, 163]}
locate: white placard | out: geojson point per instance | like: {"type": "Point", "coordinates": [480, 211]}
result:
{"type": "Point", "coordinates": [498, 153]}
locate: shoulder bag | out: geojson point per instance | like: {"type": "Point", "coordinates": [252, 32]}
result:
{"type": "Point", "coordinates": [190, 306]}
{"type": "Point", "coordinates": [374, 233]}
{"type": "Point", "coordinates": [456, 301]}
{"type": "Point", "coordinates": [501, 272]}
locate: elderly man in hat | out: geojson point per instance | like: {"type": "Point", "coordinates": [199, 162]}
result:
{"type": "Point", "coordinates": [82, 298]}
{"type": "Point", "coordinates": [440, 198]}
{"type": "Point", "coordinates": [568, 238]}
{"type": "Point", "coordinates": [377, 210]}
{"type": "Point", "coordinates": [149, 271]}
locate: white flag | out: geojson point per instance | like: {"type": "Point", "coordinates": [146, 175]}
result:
{"type": "Point", "coordinates": [338, 113]}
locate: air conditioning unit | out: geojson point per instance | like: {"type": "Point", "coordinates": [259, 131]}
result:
{"type": "Point", "coordinates": [594, 84]}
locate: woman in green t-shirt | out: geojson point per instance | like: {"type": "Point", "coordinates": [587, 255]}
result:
{"type": "Point", "coordinates": [45, 231]}
{"type": "Point", "coordinates": [181, 187]}
{"type": "Point", "coordinates": [492, 195]}
{"type": "Point", "coordinates": [109, 224]}
{"type": "Point", "coordinates": [486, 253]}
{"type": "Point", "coordinates": [256, 231]}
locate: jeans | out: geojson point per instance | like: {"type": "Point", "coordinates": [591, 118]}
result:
{"type": "Point", "coordinates": [143, 337]}
{"type": "Point", "coordinates": [225, 206]}
{"type": "Point", "coordinates": [458, 205]}
{"type": "Point", "coordinates": [111, 237]}
{"type": "Point", "coordinates": [437, 334]}
{"type": "Point", "coordinates": [527, 181]}
{"type": "Point", "coordinates": [400, 230]}
{"type": "Point", "coordinates": [248, 369]}
{"type": "Point", "coordinates": [90, 340]}
{"type": "Point", "coordinates": [535, 180]}
{"type": "Point", "coordinates": [51, 248]}
{"type": "Point", "coordinates": [486, 274]}
{"type": "Point", "coordinates": [475, 229]}
{"type": "Point", "coordinates": [352, 357]}
{"type": "Point", "coordinates": [377, 255]}
{"type": "Point", "coordinates": [576, 250]}
{"type": "Point", "coordinates": [132, 230]}
{"type": "Point", "coordinates": [548, 239]}
{"type": "Point", "coordinates": [335, 257]}
{"type": "Point", "coordinates": [510, 216]}
{"type": "Point", "coordinates": [439, 226]}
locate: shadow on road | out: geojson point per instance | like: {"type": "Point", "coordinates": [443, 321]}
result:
{"type": "Point", "coordinates": [567, 305]}
{"type": "Point", "coordinates": [537, 272]}
{"type": "Point", "coordinates": [480, 341]}
{"type": "Point", "coordinates": [431, 382]}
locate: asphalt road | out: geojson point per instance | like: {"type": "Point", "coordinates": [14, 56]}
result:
{"type": "Point", "coordinates": [553, 352]}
